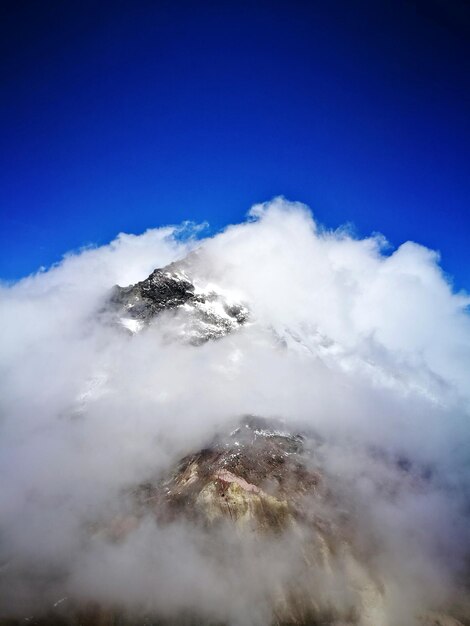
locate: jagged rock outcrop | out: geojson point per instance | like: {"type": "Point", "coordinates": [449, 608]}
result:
{"type": "Point", "coordinates": [202, 312]}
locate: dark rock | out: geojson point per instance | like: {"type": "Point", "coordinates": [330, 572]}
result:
{"type": "Point", "coordinates": [199, 314]}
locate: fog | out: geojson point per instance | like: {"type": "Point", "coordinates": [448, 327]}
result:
{"type": "Point", "coordinates": [367, 346]}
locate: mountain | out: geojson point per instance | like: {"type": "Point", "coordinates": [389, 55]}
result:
{"type": "Point", "coordinates": [267, 511]}
{"type": "Point", "coordinates": [202, 313]}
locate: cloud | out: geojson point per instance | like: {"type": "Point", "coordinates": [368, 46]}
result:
{"type": "Point", "coordinates": [369, 349]}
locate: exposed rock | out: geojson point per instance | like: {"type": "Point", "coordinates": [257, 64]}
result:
{"type": "Point", "coordinates": [255, 477]}
{"type": "Point", "coordinates": [163, 289]}
{"type": "Point", "coordinates": [202, 312]}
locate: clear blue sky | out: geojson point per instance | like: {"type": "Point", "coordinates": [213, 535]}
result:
{"type": "Point", "coordinates": [119, 116]}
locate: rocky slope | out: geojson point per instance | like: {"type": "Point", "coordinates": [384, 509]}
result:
{"type": "Point", "coordinates": [248, 490]}
{"type": "Point", "coordinates": [265, 482]}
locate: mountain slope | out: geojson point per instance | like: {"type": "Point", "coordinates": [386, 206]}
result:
{"type": "Point", "coordinates": [267, 513]}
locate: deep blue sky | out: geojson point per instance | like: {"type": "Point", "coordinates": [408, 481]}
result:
{"type": "Point", "coordinates": [121, 116]}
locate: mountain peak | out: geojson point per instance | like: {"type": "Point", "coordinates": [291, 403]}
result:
{"type": "Point", "coordinates": [203, 311]}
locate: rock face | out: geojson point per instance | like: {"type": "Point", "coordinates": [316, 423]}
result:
{"type": "Point", "coordinates": [163, 289]}
{"type": "Point", "coordinates": [255, 477]}
{"type": "Point", "coordinates": [202, 312]}
{"type": "Point", "coordinates": [259, 486]}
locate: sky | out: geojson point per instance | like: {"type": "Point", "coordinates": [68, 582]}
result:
{"type": "Point", "coordinates": [122, 116]}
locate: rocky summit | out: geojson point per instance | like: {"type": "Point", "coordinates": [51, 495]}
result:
{"type": "Point", "coordinates": [200, 312]}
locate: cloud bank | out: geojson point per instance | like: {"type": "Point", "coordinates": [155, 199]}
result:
{"type": "Point", "coordinates": [369, 349]}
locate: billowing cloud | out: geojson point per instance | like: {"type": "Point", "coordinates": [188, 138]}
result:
{"type": "Point", "coordinates": [369, 349]}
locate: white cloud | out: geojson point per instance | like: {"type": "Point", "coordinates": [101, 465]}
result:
{"type": "Point", "coordinates": [362, 346]}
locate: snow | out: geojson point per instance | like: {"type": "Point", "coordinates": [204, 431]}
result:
{"type": "Point", "coordinates": [133, 325]}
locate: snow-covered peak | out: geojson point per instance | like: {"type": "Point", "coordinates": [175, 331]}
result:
{"type": "Point", "coordinates": [194, 312]}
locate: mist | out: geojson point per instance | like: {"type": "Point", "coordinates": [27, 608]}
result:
{"type": "Point", "coordinates": [365, 346]}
